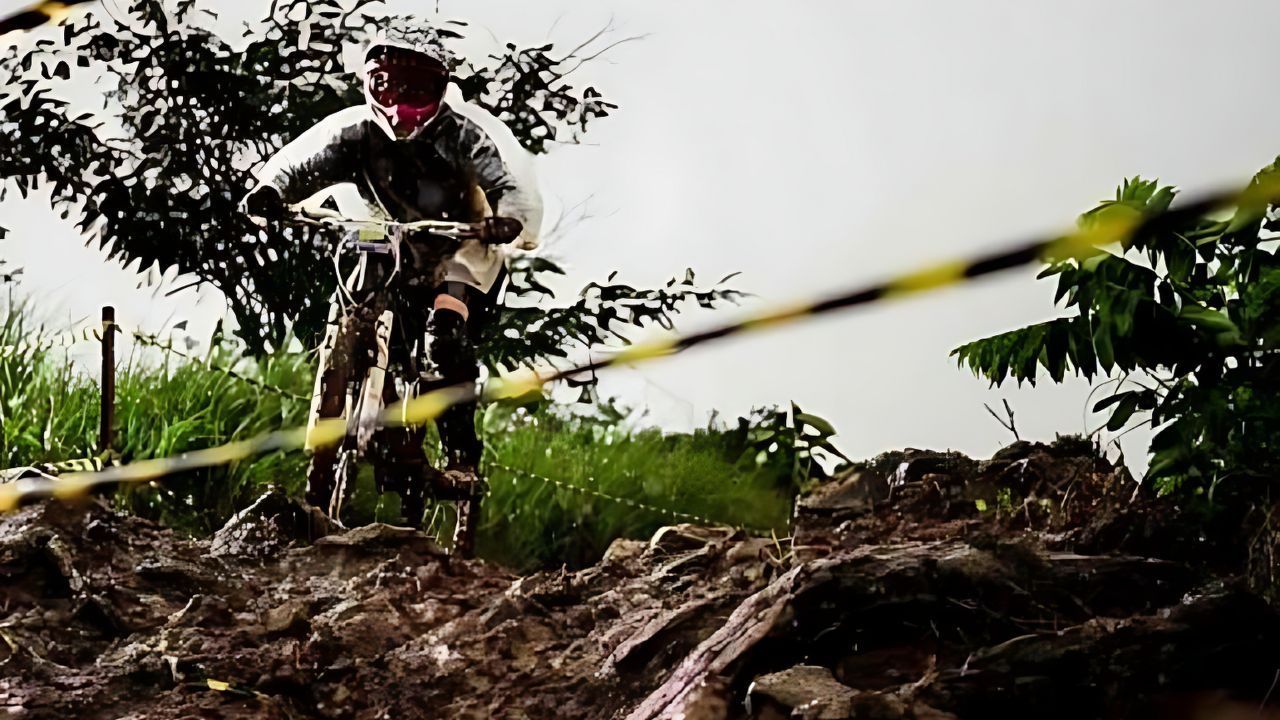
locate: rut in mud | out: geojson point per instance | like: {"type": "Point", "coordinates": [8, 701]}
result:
{"type": "Point", "coordinates": [924, 585]}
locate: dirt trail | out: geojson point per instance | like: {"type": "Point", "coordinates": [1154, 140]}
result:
{"type": "Point", "coordinates": [925, 586]}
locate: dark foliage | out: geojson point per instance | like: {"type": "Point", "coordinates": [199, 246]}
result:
{"type": "Point", "coordinates": [601, 315]}
{"type": "Point", "coordinates": [156, 176]}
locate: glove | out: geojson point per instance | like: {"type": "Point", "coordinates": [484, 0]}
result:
{"type": "Point", "coordinates": [500, 230]}
{"type": "Point", "coordinates": [263, 202]}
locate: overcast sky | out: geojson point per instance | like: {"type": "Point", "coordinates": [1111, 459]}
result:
{"type": "Point", "coordinates": [821, 145]}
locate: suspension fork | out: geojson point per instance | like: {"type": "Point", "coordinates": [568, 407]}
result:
{"type": "Point", "coordinates": [353, 362]}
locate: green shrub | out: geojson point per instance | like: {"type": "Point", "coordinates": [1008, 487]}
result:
{"type": "Point", "coordinates": [1183, 318]}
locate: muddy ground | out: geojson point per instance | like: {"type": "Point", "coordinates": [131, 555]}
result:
{"type": "Point", "coordinates": [924, 585]}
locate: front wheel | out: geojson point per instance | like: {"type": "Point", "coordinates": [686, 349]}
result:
{"type": "Point", "coordinates": [329, 400]}
{"type": "Point", "coordinates": [322, 470]}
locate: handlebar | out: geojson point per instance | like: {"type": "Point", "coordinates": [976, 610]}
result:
{"type": "Point", "coordinates": [327, 218]}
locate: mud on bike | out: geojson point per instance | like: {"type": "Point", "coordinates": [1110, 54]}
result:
{"type": "Point", "coordinates": [359, 364]}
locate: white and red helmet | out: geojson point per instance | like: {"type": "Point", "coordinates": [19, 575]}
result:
{"type": "Point", "coordinates": [407, 71]}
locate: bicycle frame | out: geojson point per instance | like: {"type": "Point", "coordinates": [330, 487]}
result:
{"type": "Point", "coordinates": [356, 355]}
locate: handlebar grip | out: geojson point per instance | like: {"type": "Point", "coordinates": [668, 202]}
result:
{"type": "Point", "coordinates": [502, 230]}
{"type": "Point", "coordinates": [265, 202]}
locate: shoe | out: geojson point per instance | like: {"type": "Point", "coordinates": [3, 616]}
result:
{"type": "Point", "coordinates": [461, 483]}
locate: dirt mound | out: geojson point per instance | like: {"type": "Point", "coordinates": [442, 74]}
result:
{"type": "Point", "coordinates": [922, 585]}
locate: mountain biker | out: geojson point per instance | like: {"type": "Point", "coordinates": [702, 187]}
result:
{"type": "Point", "coordinates": [414, 157]}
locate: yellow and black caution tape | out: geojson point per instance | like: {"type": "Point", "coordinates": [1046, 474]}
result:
{"type": "Point", "coordinates": [1117, 225]}
{"type": "Point", "coordinates": [41, 13]}
{"type": "Point", "coordinates": [78, 485]}
{"type": "Point", "coordinates": [677, 515]}
{"type": "Point", "coordinates": [84, 465]}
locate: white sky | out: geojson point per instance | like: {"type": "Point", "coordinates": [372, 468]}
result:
{"type": "Point", "coordinates": [821, 144]}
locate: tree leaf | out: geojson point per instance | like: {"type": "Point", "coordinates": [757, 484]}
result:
{"type": "Point", "coordinates": [1124, 410]}
{"type": "Point", "coordinates": [1111, 400]}
{"type": "Point", "coordinates": [823, 426]}
{"type": "Point", "coordinates": [1206, 318]}
{"type": "Point", "coordinates": [1102, 346]}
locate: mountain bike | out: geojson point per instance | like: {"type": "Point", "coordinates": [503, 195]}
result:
{"type": "Point", "coordinates": [356, 378]}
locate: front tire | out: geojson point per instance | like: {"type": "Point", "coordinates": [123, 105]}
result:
{"type": "Point", "coordinates": [322, 470]}
{"type": "Point", "coordinates": [331, 400]}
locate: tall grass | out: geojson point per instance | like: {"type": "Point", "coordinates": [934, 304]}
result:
{"type": "Point", "coordinates": [49, 412]}
{"type": "Point", "coordinates": [166, 405]}
{"type": "Point", "coordinates": [530, 521]}
{"type": "Point", "coordinates": [35, 395]}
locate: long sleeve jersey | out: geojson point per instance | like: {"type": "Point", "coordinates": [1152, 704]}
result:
{"type": "Point", "coordinates": [453, 170]}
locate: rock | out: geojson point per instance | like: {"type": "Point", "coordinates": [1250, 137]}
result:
{"type": "Point", "coordinates": [202, 611]}
{"type": "Point", "coordinates": [912, 465]}
{"type": "Point", "coordinates": [853, 494]}
{"type": "Point", "coordinates": [288, 617]}
{"type": "Point", "coordinates": [674, 539]}
{"type": "Point", "coordinates": [274, 521]}
{"type": "Point", "coordinates": [189, 577]}
{"type": "Point", "coordinates": [623, 550]}
{"type": "Point", "coordinates": [380, 536]}
{"type": "Point", "coordinates": [804, 691]}
{"type": "Point", "coordinates": [708, 702]}
{"type": "Point", "coordinates": [1118, 667]}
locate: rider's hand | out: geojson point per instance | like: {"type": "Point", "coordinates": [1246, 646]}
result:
{"type": "Point", "coordinates": [264, 202]}
{"type": "Point", "coordinates": [500, 230]}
